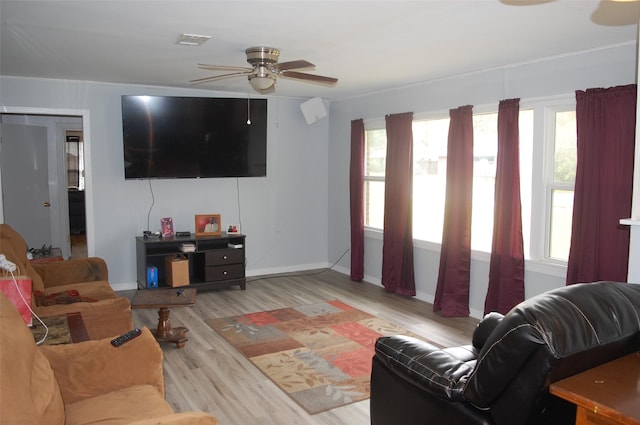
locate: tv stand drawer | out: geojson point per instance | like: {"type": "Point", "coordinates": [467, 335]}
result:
{"type": "Point", "coordinates": [216, 273]}
{"type": "Point", "coordinates": [223, 256]}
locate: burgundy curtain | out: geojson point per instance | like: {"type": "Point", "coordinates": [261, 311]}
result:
{"type": "Point", "coordinates": [397, 246]}
{"type": "Point", "coordinates": [506, 267]}
{"type": "Point", "coordinates": [605, 121]}
{"type": "Point", "coordinates": [452, 291]}
{"type": "Point", "coordinates": [356, 181]}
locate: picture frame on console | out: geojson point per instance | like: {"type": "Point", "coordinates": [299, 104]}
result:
{"type": "Point", "coordinates": [208, 225]}
{"type": "Point", "coordinates": [167, 227]}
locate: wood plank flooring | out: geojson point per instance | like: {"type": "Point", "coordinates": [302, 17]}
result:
{"type": "Point", "coordinates": [209, 375]}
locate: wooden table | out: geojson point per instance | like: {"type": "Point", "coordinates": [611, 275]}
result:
{"type": "Point", "coordinates": [63, 329]}
{"type": "Point", "coordinates": [608, 394]}
{"type": "Point", "coordinates": [162, 299]}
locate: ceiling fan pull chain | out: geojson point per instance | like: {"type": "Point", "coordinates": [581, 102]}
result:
{"type": "Point", "coordinates": [249, 108]}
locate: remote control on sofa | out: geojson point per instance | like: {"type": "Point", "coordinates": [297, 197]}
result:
{"type": "Point", "coordinates": [125, 337]}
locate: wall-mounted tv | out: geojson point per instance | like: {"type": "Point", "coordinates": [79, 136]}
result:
{"type": "Point", "coordinates": [193, 137]}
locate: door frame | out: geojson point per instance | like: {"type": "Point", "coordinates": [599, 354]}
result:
{"type": "Point", "coordinates": [86, 128]}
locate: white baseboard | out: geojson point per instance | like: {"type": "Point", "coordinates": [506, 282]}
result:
{"type": "Point", "coordinates": [288, 269]}
{"type": "Point", "coordinates": [124, 286]}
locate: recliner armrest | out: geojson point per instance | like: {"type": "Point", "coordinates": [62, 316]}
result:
{"type": "Point", "coordinates": [87, 369]}
{"type": "Point", "coordinates": [441, 373]}
{"type": "Point", "coordinates": [71, 271]}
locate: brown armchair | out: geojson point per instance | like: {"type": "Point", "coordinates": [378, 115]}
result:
{"type": "Point", "coordinates": [106, 315]}
{"type": "Point", "coordinates": [88, 382]}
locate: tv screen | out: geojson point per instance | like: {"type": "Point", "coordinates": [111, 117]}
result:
{"type": "Point", "coordinates": [192, 137]}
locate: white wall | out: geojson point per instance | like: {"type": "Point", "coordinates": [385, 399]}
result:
{"type": "Point", "coordinates": [552, 77]}
{"type": "Point", "coordinates": [283, 215]}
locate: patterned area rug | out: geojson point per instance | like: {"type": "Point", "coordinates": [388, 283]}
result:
{"type": "Point", "coordinates": [319, 354]}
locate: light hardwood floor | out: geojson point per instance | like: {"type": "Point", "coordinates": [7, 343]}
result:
{"type": "Point", "coordinates": [209, 375]}
{"type": "Point", "coordinates": [78, 246]}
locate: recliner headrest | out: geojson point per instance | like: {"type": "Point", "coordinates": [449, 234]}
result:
{"type": "Point", "coordinates": [484, 329]}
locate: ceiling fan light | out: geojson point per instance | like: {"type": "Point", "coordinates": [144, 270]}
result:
{"type": "Point", "coordinates": [261, 82]}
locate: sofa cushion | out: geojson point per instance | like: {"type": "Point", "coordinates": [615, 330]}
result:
{"type": "Point", "coordinates": [119, 407]}
{"type": "Point", "coordinates": [99, 290]}
{"type": "Point", "coordinates": [70, 296]}
{"type": "Point", "coordinates": [73, 270]}
{"type": "Point", "coordinates": [29, 391]}
{"type": "Point", "coordinates": [102, 319]}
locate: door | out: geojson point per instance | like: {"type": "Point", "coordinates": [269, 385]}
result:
{"type": "Point", "coordinates": [25, 182]}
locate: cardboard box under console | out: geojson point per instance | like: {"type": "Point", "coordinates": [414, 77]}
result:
{"type": "Point", "coordinates": [177, 270]}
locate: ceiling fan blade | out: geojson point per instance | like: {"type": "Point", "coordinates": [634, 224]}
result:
{"type": "Point", "coordinates": [219, 77]}
{"type": "Point", "coordinates": [223, 67]}
{"type": "Point", "coordinates": [309, 77]}
{"type": "Point", "coordinates": [299, 64]}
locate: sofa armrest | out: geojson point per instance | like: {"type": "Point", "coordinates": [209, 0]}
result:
{"type": "Point", "coordinates": [75, 270]}
{"type": "Point", "coordinates": [186, 418]}
{"type": "Point", "coordinates": [441, 373]}
{"type": "Point", "coordinates": [88, 369]}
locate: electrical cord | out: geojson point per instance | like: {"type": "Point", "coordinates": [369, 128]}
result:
{"type": "Point", "coordinates": [238, 201]}
{"type": "Point", "coordinates": [153, 201]}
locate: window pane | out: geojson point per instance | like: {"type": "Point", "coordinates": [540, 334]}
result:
{"type": "Point", "coordinates": [564, 173]}
{"type": "Point", "coordinates": [525, 124]}
{"type": "Point", "coordinates": [429, 178]}
{"type": "Point", "coordinates": [560, 230]}
{"type": "Point", "coordinates": [374, 204]}
{"type": "Point", "coordinates": [564, 164]}
{"type": "Point", "coordinates": [485, 149]}
{"type": "Point", "coordinates": [375, 152]}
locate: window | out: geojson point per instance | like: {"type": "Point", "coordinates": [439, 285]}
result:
{"type": "Point", "coordinates": [375, 147]}
{"type": "Point", "coordinates": [560, 183]}
{"type": "Point", "coordinates": [429, 177]}
{"type": "Point", "coordinates": [430, 139]}
{"type": "Point", "coordinates": [485, 154]}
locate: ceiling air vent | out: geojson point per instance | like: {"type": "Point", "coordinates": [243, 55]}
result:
{"type": "Point", "coordinates": [192, 39]}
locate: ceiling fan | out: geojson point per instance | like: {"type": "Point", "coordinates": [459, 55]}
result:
{"type": "Point", "coordinates": [265, 70]}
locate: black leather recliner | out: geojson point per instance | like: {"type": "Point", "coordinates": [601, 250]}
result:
{"type": "Point", "coordinates": [503, 377]}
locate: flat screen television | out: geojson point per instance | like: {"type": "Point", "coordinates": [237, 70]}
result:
{"type": "Point", "coordinates": [193, 137]}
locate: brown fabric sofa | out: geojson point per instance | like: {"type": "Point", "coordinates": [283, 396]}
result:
{"type": "Point", "coordinates": [85, 383]}
{"type": "Point", "coordinates": [109, 315]}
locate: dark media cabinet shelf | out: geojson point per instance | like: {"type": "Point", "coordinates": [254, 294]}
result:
{"type": "Point", "coordinates": [212, 265]}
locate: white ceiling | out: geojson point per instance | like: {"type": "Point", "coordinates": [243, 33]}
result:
{"type": "Point", "coordinates": [368, 45]}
